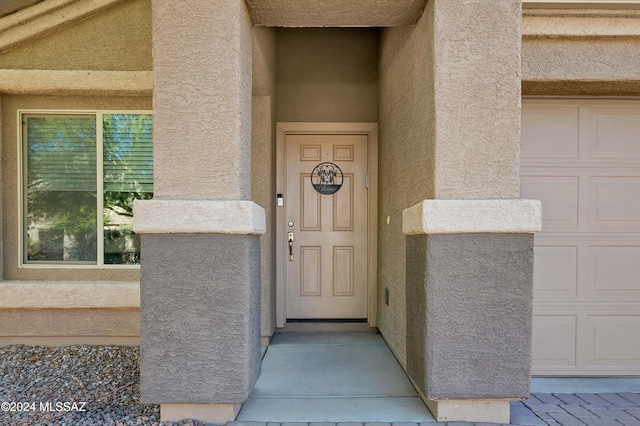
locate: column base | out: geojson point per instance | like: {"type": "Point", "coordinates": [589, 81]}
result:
{"type": "Point", "coordinates": [208, 413]}
{"type": "Point", "coordinates": [471, 410]}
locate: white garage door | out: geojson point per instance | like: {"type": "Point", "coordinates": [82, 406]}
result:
{"type": "Point", "coordinates": [582, 159]}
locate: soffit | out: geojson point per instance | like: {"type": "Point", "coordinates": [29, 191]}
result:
{"type": "Point", "coordinates": [334, 13]}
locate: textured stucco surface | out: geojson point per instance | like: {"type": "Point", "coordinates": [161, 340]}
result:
{"type": "Point", "coordinates": [264, 61]}
{"type": "Point", "coordinates": [434, 141]}
{"type": "Point", "coordinates": [334, 13]}
{"type": "Point", "coordinates": [200, 318]}
{"type": "Point", "coordinates": [202, 99]}
{"type": "Point", "coordinates": [580, 23]}
{"type": "Point", "coordinates": [263, 188]}
{"type": "Point", "coordinates": [76, 82]}
{"type": "Point", "coordinates": [469, 304]}
{"type": "Point", "coordinates": [583, 59]}
{"type": "Point", "coordinates": [406, 158]}
{"type": "Point", "coordinates": [118, 38]}
{"type": "Point", "coordinates": [327, 74]}
{"type": "Point", "coordinates": [581, 53]}
{"type": "Point", "coordinates": [10, 194]}
{"type": "Point", "coordinates": [71, 294]}
{"type": "Point", "coordinates": [472, 216]}
{"type": "Point", "coordinates": [81, 324]}
{"type": "Point", "coordinates": [477, 98]}
{"type": "Point", "coordinates": [198, 216]}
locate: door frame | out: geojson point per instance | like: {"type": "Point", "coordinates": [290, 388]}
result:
{"type": "Point", "coordinates": [328, 128]}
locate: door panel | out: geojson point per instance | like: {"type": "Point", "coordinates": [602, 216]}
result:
{"type": "Point", "coordinates": [581, 159]}
{"type": "Point", "coordinates": [327, 275]}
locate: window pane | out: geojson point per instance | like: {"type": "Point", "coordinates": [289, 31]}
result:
{"type": "Point", "coordinates": [61, 189]}
{"type": "Point", "coordinates": [128, 175]}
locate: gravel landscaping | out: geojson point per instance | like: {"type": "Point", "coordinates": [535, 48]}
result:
{"type": "Point", "coordinates": [74, 385]}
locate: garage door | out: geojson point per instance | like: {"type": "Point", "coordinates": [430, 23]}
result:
{"type": "Point", "coordinates": [582, 159]}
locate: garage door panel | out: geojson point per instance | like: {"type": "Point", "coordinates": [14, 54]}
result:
{"type": "Point", "coordinates": [615, 272]}
{"type": "Point", "coordinates": [555, 272]}
{"type": "Point", "coordinates": [585, 168]}
{"type": "Point", "coordinates": [615, 202]}
{"type": "Point", "coordinates": [559, 196]}
{"type": "Point", "coordinates": [554, 338]}
{"type": "Point", "coordinates": [615, 339]}
{"type": "Point", "coordinates": [550, 132]}
{"type": "Point", "coordinates": [615, 132]}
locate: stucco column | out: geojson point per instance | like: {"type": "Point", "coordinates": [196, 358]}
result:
{"type": "Point", "coordinates": [200, 268]}
{"type": "Point", "coordinates": [469, 251]}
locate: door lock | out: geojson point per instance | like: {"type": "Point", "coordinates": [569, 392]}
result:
{"type": "Point", "coordinates": [290, 239]}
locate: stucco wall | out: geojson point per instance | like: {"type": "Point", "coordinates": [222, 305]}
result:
{"type": "Point", "coordinates": [117, 39]}
{"type": "Point", "coordinates": [263, 164]}
{"type": "Point", "coordinates": [200, 328]}
{"type": "Point", "coordinates": [474, 340]}
{"type": "Point", "coordinates": [202, 103]}
{"type": "Point", "coordinates": [477, 87]}
{"type": "Point", "coordinates": [581, 52]}
{"type": "Point", "coordinates": [406, 159]}
{"type": "Point", "coordinates": [584, 66]}
{"type": "Point", "coordinates": [263, 189]}
{"type": "Point", "coordinates": [10, 194]}
{"type": "Point", "coordinates": [327, 74]}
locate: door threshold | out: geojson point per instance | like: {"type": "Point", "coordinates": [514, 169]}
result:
{"type": "Point", "coordinates": [326, 326]}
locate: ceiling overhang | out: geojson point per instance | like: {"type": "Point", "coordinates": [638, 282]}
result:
{"type": "Point", "coordinates": [334, 13]}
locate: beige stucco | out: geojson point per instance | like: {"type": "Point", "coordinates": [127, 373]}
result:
{"type": "Point", "coordinates": [53, 313]}
{"type": "Point", "coordinates": [263, 161]}
{"type": "Point", "coordinates": [159, 216]}
{"type": "Point", "coordinates": [434, 142]}
{"type": "Point", "coordinates": [263, 188]}
{"type": "Point", "coordinates": [581, 52]}
{"type": "Point", "coordinates": [10, 187]}
{"type": "Point", "coordinates": [576, 23]}
{"type": "Point", "coordinates": [264, 61]}
{"type": "Point", "coordinates": [334, 13]}
{"type": "Point", "coordinates": [327, 75]}
{"type": "Point", "coordinates": [58, 327]}
{"type": "Point", "coordinates": [202, 103]}
{"type": "Point", "coordinates": [76, 82]}
{"type": "Point", "coordinates": [477, 96]}
{"type": "Point", "coordinates": [406, 159]}
{"type": "Point", "coordinates": [117, 38]}
{"type": "Point", "coordinates": [472, 216]}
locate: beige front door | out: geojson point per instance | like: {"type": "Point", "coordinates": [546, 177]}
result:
{"type": "Point", "coordinates": [326, 263]}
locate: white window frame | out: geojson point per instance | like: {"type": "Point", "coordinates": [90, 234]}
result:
{"type": "Point", "coordinates": [98, 114]}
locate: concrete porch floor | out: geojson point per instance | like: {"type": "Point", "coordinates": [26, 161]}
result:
{"type": "Point", "coordinates": [332, 377]}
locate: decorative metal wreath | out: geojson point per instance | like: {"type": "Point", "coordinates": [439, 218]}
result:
{"type": "Point", "coordinates": [327, 178]}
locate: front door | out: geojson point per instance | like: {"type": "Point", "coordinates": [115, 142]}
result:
{"type": "Point", "coordinates": [325, 219]}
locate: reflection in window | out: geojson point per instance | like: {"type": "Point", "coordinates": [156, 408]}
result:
{"type": "Point", "coordinates": [64, 191]}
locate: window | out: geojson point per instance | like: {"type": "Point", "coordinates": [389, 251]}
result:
{"type": "Point", "coordinates": [80, 175]}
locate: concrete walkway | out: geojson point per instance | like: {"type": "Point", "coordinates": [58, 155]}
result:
{"type": "Point", "coordinates": [352, 379]}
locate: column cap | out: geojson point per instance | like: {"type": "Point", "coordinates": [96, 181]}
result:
{"type": "Point", "coordinates": [198, 217]}
{"type": "Point", "coordinates": [472, 216]}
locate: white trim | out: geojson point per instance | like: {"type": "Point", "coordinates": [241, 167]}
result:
{"type": "Point", "coordinates": [371, 130]}
{"type": "Point", "coordinates": [472, 216]}
{"type": "Point", "coordinates": [198, 216]}
{"type": "Point", "coordinates": [69, 294]}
